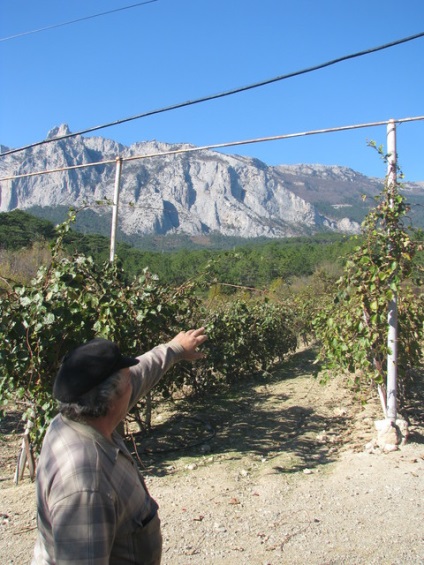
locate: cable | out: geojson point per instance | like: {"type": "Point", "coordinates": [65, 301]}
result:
{"type": "Point", "coordinates": [219, 95]}
{"type": "Point", "coordinates": [214, 146]}
{"type": "Point", "coordinates": [78, 20]}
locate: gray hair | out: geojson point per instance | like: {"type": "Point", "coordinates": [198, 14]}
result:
{"type": "Point", "coordinates": [94, 403]}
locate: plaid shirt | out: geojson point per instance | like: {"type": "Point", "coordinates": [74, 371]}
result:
{"type": "Point", "coordinates": [91, 499]}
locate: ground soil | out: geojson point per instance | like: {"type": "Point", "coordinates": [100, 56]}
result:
{"type": "Point", "coordinates": [281, 471]}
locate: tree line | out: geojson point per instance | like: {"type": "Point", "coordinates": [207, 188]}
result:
{"type": "Point", "coordinates": [252, 263]}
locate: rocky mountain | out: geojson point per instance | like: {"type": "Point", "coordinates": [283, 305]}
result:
{"type": "Point", "coordinates": [195, 192]}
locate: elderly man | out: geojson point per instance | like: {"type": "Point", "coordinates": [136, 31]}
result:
{"type": "Point", "coordinates": [93, 505]}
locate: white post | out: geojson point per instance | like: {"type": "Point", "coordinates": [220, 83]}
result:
{"type": "Point", "coordinates": [392, 318]}
{"type": "Point", "coordinates": [115, 208]}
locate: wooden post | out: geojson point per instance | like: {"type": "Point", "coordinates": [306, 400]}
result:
{"type": "Point", "coordinates": [26, 457]}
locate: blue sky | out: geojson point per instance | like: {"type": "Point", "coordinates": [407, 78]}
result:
{"type": "Point", "coordinates": [122, 64]}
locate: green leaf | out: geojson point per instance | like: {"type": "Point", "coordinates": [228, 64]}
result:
{"type": "Point", "coordinates": [49, 319]}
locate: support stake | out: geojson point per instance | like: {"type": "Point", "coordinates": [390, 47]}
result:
{"type": "Point", "coordinates": [392, 316]}
{"type": "Point", "coordinates": [115, 208]}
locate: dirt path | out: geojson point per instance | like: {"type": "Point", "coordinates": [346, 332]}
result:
{"type": "Point", "coordinates": [274, 474]}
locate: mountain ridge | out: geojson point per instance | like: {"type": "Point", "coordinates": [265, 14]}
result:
{"type": "Point", "coordinates": [196, 192]}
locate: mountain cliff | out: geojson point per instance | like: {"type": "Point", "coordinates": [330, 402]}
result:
{"type": "Point", "coordinates": [195, 192]}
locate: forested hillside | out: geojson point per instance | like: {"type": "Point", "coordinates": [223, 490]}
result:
{"type": "Point", "coordinates": [255, 263]}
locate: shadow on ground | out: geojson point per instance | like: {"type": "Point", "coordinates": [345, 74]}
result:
{"type": "Point", "coordinates": [273, 418]}
{"type": "Point", "coordinates": [12, 424]}
{"type": "Point", "coordinates": [413, 402]}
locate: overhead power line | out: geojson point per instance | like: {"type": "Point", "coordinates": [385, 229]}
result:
{"type": "Point", "coordinates": [221, 94]}
{"type": "Point", "coordinates": [212, 146]}
{"type": "Point", "coordinates": [76, 21]}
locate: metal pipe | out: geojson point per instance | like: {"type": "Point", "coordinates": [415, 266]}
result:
{"type": "Point", "coordinates": [392, 316]}
{"type": "Point", "coordinates": [115, 208]}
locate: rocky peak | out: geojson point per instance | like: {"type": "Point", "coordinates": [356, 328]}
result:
{"type": "Point", "coordinates": [58, 131]}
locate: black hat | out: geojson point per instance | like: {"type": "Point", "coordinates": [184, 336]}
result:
{"type": "Point", "coordinates": [86, 367]}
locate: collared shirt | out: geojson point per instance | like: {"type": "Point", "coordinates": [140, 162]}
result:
{"type": "Point", "coordinates": [91, 499]}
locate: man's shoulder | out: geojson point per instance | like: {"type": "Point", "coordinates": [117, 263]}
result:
{"type": "Point", "coordinates": [71, 460]}
{"type": "Point", "coordinates": [65, 438]}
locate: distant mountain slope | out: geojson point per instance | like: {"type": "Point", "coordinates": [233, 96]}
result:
{"type": "Point", "coordinates": [196, 193]}
{"type": "Point", "coordinates": [338, 191]}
